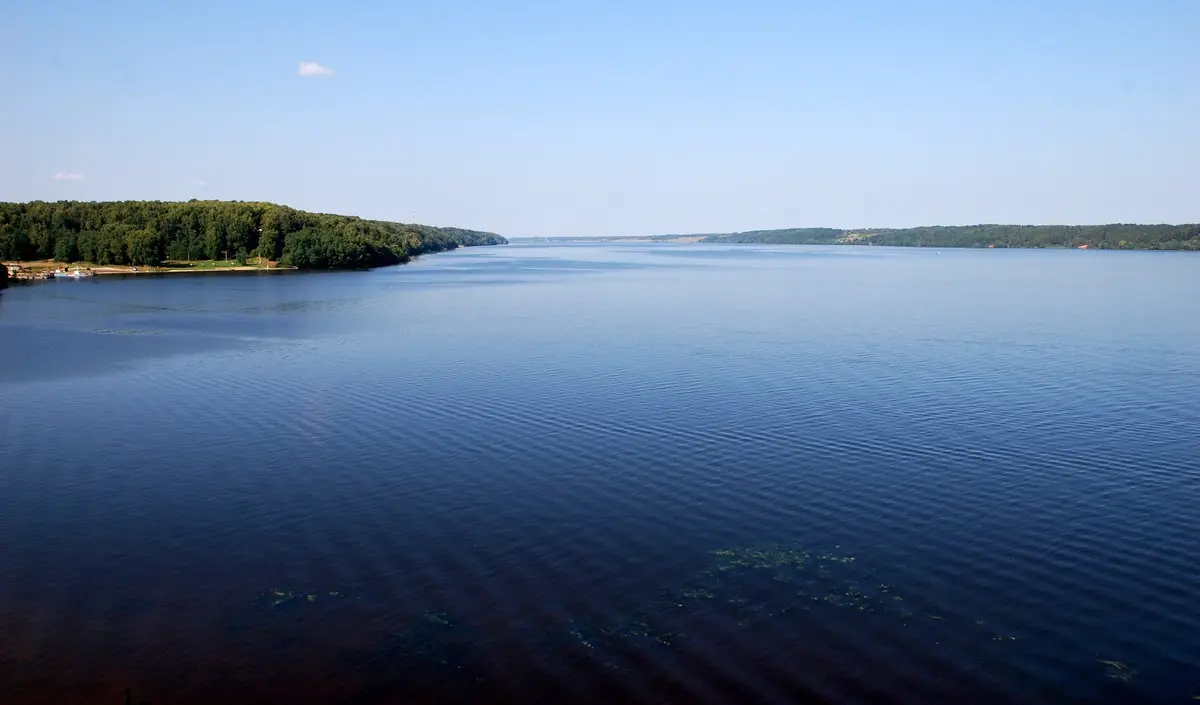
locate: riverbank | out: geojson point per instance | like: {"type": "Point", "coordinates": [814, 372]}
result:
{"type": "Point", "coordinates": [44, 269]}
{"type": "Point", "coordinates": [617, 239]}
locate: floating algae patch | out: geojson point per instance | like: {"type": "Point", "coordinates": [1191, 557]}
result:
{"type": "Point", "coordinates": [753, 586]}
{"type": "Point", "coordinates": [1118, 671]}
{"type": "Point", "coordinates": [283, 597]}
{"type": "Point", "coordinates": [779, 579]}
{"type": "Point", "coordinates": [438, 618]}
{"type": "Point", "coordinates": [744, 586]}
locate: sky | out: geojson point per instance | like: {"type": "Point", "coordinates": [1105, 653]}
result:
{"type": "Point", "coordinates": [614, 117]}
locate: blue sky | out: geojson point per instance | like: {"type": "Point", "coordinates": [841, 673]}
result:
{"type": "Point", "coordinates": [617, 117]}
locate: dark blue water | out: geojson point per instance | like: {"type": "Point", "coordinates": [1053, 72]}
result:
{"type": "Point", "coordinates": [619, 473]}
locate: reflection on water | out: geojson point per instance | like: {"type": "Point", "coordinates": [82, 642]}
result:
{"type": "Point", "coordinates": [610, 473]}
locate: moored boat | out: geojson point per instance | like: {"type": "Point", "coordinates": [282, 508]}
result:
{"type": "Point", "coordinates": [77, 274]}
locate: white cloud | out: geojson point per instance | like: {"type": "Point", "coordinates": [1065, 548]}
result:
{"type": "Point", "coordinates": [68, 176]}
{"type": "Point", "coordinates": [312, 68]}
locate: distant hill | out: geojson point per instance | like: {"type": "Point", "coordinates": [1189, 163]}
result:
{"type": "Point", "coordinates": [149, 232]}
{"type": "Point", "coordinates": [1115, 237]}
{"type": "Point", "coordinates": [563, 239]}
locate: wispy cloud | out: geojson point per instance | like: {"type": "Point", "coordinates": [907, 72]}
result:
{"type": "Point", "coordinates": [68, 176]}
{"type": "Point", "coordinates": [312, 68]}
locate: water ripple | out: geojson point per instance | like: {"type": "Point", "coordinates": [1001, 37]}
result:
{"type": "Point", "coordinates": [608, 480]}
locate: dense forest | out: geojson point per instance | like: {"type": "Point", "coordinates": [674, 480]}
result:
{"type": "Point", "coordinates": [1114, 237]}
{"type": "Point", "coordinates": [151, 232]}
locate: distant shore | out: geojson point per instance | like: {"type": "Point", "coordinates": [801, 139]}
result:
{"type": "Point", "coordinates": [40, 270]}
{"type": "Point", "coordinates": [612, 238]}
{"type": "Point", "coordinates": [1116, 236]}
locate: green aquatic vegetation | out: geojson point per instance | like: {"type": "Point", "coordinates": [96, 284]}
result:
{"type": "Point", "coordinates": [747, 585]}
{"type": "Point", "coordinates": [774, 557]}
{"type": "Point", "coordinates": [1118, 671]}
{"type": "Point", "coordinates": [752, 586]}
{"type": "Point", "coordinates": [278, 597]}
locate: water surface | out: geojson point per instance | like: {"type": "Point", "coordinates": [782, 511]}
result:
{"type": "Point", "coordinates": [606, 473]}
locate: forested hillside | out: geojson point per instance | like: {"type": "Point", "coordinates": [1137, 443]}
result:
{"type": "Point", "coordinates": [1120, 236]}
{"type": "Point", "coordinates": [150, 232]}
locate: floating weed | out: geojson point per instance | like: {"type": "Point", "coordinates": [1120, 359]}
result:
{"type": "Point", "coordinates": [579, 636]}
{"type": "Point", "coordinates": [439, 618]}
{"type": "Point", "coordinates": [278, 597]}
{"type": "Point", "coordinates": [747, 587]}
{"type": "Point", "coordinates": [742, 583]}
{"type": "Point", "coordinates": [771, 557]}
{"type": "Point", "coordinates": [743, 586]}
{"type": "Point", "coordinates": [1118, 671]}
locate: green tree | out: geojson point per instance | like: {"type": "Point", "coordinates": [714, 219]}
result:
{"type": "Point", "coordinates": [214, 240]}
{"type": "Point", "coordinates": [144, 232]}
{"type": "Point", "coordinates": [143, 247]}
{"type": "Point", "coordinates": [42, 241]}
{"type": "Point", "coordinates": [111, 244]}
{"type": "Point", "coordinates": [66, 247]}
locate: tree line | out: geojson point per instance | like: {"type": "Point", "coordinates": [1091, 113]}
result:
{"type": "Point", "coordinates": [1112, 237]}
{"type": "Point", "coordinates": [151, 232]}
